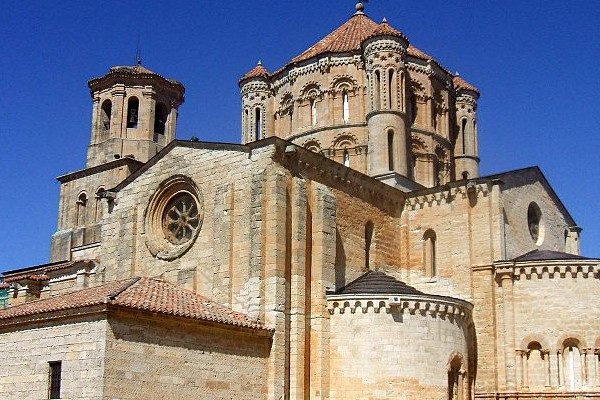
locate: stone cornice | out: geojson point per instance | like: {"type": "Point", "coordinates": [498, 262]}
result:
{"type": "Point", "coordinates": [426, 305]}
{"type": "Point", "coordinates": [447, 193]}
{"type": "Point", "coordinates": [552, 269]}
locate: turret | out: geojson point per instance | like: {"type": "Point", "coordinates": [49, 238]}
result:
{"type": "Point", "coordinates": [384, 52]}
{"type": "Point", "coordinates": [255, 91]}
{"type": "Point", "coordinates": [134, 114]}
{"type": "Point", "coordinates": [466, 154]}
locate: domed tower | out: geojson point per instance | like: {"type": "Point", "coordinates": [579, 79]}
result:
{"type": "Point", "coordinates": [384, 52]}
{"type": "Point", "coordinates": [134, 115]}
{"type": "Point", "coordinates": [466, 155]}
{"type": "Point", "coordinates": [255, 91]}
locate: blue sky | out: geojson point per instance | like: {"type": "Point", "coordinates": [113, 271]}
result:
{"type": "Point", "coordinates": [534, 62]}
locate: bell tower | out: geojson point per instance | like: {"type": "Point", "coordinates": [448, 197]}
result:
{"type": "Point", "coordinates": [134, 114]}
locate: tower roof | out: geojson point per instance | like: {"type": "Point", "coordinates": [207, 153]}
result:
{"type": "Point", "coordinates": [377, 282]}
{"type": "Point", "coordinates": [257, 72]}
{"type": "Point", "coordinates": [346, 38]}
{"type": "Point", "coordinates": [137, 72]}
{"type": "Point", "coordinates": [385, 29]}
{"type": "Point", "coordinates": [460, 83]}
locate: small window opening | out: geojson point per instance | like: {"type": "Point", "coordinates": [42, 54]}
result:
{"type": "Point", "coordinates": [413, 109]}
{"type": "Point", "coordinates": [246, 124]}
{"type": "Point", "coordinates": [369, 227]}
{"type": "Point", "coordinates": [160, 118]}
{"type": "Point", "coordinates": [346, 158]}
{"type": "Point", "coordinates": [54, 378]}
{"type": "Point", "coordinates": [133, 106]}
{"type": "Point", "coordinates": [433, 115]}
{"type": "Point", "coordinates": [313, 112]}
{"type": "Point", "coordinates": [81, 209]}
{"type": "Point", "coordinates": [463, 135]}
{"type": "Point", "coordinates": [456, 377]}
{"type": "Point", "coordinates": [429, 253]}
{"type": "Point", "coordinates": [258, 123]}
{"type": "Point", "coordinates": [391, 151]}
{"type": "Point", "coordinates": [377, 89]}
{"type": "Point", "coordinates": [106, 115]}
{"type": "Point", "coordinates": [390, 86]}
{"type": "Point", "coordinates": [534, 217]}
{"type": "Point", "coordinates": [465, 175]}
{"type": "Point", "coordinates": [346, 107]}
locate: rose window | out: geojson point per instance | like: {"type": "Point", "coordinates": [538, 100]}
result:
{"type": "Point", "coordinates": [180, 219]}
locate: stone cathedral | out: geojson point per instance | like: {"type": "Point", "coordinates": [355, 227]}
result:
{"type": "Point", "coordinates": [347, 249]}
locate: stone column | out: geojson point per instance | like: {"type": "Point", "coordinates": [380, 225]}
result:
{"type": "Point", "coordinates": [95, 114]}
{"type": "Point", "coordinates": [120, 113]}
{"type": "Point", "coordinates": [521, 368]}
{"type": "Point", "coordinates": [299, 266]}
{"type": "Point", "coordinates": [546, 354]}
{"type": "Point", "coordinates": [172, 126]}
{"type": "Point", "coordinates": [561, 368]}
{"type": "Point", "coordinates": [506, 283]}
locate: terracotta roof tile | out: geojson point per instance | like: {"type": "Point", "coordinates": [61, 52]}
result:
{"type": "Point", "coordinates": [138, 70]}
{"type": "Point", "coordinates": [346, 38]}
{"type": "Point", "coordinates": [417, 53]}
{"type": "Point", "coordinates": [41, 272]}
{"type": "Point", "coordinates": [460, 83]}
{"type": "Point", "coordinates": [385, 29]}
{"type": "Point", "coordinates": [145, 294]}
{"type": "Point", "coordinates": [377, 282]}
{"type": "Point", "coordinates": [257, 72]}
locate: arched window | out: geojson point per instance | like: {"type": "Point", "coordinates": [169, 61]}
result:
{"type": "Point", "coordinates": [536, 374]}
{"type": "Point", "coordinates": [433, 115]}
{"type": "Point", "coordinates": [98, 210]}
{"type": "Point", "coordinates": [429, 253]}
{"type": "Point", "coordinates": [463, 135]}
{"type": "Point", "coordinates": [573, 365]}
{"type": "Point", "coordinates": [413, 110]}
{"type": "Point", "coordinates": [390, 86]}
{"type": "Point", "coordinates": [345, 107]}
{"type": "Point", "coordinates": [391, 152]}
{"type": "Point", "coordinates": [246, 125]}
{"type": "Point", "coordinates": [369, 228]}
{"type": "Point", "coordinates": [376, 90]}
{"type": "Point", "coordinates": [313, 112]}
{"type": "Point", "coordinates": [160, 118]}
{"type": "Point", "coordinates": [456, 378]}
{"type": "Point", "coordinates": [106, 114]}
{"type": "Point", "coordinates": [133, 105]}
{"type": "Point", "coordinates": [346, 158]}
{"type": "Point", "coordinates": [258, 123]}
{"type": "Point", "coordinates": [81, 209]}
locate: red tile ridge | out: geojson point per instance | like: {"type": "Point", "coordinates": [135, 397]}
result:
{"type": "Point", "coordinates": [385, 29]}
{"type": "Point", "coordinates": [257, 72]}
{"type": "Point", "coordinates": [460, 83]}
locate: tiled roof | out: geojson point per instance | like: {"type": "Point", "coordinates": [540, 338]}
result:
{"type": "Point", "coordinates": [138, 71]}
{"type": "Point", "coordinates": [376, 282]}
{"type": "Point", "coordinates": [538, 255]}
{"type": "Point", "coordinates": [346, 38]}
{"type": "Point", "coordinates": [257, 72]}
{"type": "Point", "coordinates": [417, 53]}
{"type": "Point", "coordinates": [460, 83]}
{"type": "Point", "coordinates": [385, 29]}
{"type": "Point", "coordinates": [145, 294]}
{"type": "Point", "coordinates": [41, 273]}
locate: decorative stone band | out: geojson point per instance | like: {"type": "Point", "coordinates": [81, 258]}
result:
{"type": "Point", "coordinates": [435, 306]}
{"type": "Point", "coordinates": [552, 269]}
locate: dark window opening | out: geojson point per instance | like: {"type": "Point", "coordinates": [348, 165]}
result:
{"type": "Point", "coordinates": [258, 123]}
{"type": "Point", "coordinates": [368, 239]}
{"type": "Point", "coordinates": [377, 90]}
{"type": "Point", "coordinates": [160, 118]}
{"type": "Point", "coordinates": [106, 115]}
{"type": "Point", "coordinates": [54, 378]}
{"type": "Point", "coordinates": [391, 151]}
{"type": "Point", "coordinates": [133, 106]}
{"type": "Point", "coordinates": [390, 86]}
{"type": "Point", "coordinates": [463, 132]}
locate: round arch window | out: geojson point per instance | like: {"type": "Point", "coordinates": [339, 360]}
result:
{"type": "Point", "coordinates": [535, 223]}
{"type": "Point", "coordinates": [173, 218]}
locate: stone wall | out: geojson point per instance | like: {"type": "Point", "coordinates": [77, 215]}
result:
{"type": "Point", "coordinates": [27, 350]}
{"type": "Point", "coordinates": [383, 351]}
{"type": "Point", "coordinates": [519, 191]}
{"type": "Point", "coordinates": [176, 359]}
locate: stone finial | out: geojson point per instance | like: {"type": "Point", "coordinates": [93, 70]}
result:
{"type": "Point", "coordinates": [359, 7]}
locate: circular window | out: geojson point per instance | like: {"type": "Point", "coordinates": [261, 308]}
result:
{"type": "Point", "coordinates": [534, 220]}
{"type": "Point", "coordinates": [173, 218]}
{"type": "Point", "coordinates": [180, 219]}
